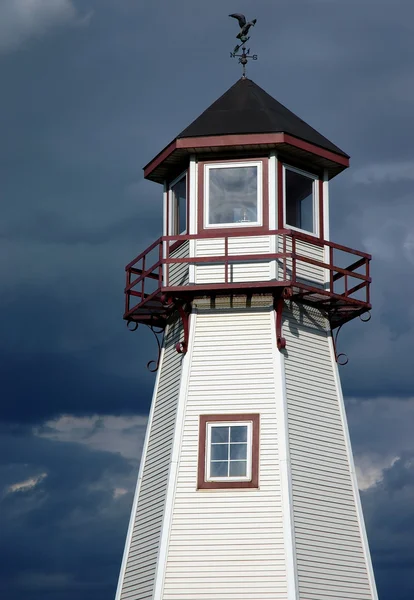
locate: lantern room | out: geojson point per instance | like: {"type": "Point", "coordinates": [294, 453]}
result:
{"type": "Point", "coordinates": [246, 209]}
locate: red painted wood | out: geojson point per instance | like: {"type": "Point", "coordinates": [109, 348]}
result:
{"type": "Point", "coordinates": [252, 139]}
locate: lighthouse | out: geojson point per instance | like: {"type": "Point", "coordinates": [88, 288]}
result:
{"type": "Point", "coordinates": [247, 487]}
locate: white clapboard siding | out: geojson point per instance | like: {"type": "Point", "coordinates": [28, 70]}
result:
{"type": "Point", "coordinates": [178, 273]}
{"type": "Point", "coordinates": [138, 579]}
{"type": "Point", "coordinates": [238, 272]}
{"type": "Point", "coordinates": [329, 548]}
{"type": "Point", "coordinates": [305, 272]}
{"type": "Point", "coordinates": [228, 544]}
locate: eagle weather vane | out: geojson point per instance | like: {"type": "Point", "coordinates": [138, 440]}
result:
{"type": "Point", "coordinates": [243, 36]}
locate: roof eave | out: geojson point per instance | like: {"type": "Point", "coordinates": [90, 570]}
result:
{"type": "Point", "coordinates": [155, 169]}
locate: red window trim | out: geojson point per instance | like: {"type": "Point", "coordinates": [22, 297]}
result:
{"type": "Point", "coordinates": [202, 484]}
{"type": "Point", "coordinates": [265, 199]}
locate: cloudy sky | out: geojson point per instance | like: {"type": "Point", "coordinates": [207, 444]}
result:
{"type": "Point", "coordinates": [91, 90]}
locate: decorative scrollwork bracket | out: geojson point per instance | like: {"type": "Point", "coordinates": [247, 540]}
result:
{"type": "Point", "coordinates": [341, 358]}
{"type": "Point", "coordinates": [152, 365]}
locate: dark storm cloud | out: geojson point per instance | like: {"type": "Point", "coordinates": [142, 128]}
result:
{"type": "Point", "coordinates": [60, 536]}
{"type": "Point", "coordinates": [389, 511]}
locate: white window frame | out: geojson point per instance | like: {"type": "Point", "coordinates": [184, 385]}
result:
{"type": "Point", "coordinates": [315, 193]}
{"type": "Point", "coordinates": [172, 218]}
{"type": "Point", "coordinates": [206, 199]}
{"type": "Point", "coordinates": [249, 425]}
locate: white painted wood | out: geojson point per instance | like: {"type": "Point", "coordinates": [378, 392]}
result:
{"type": "Point", "coordinates": [285, 471]}
{"type": "Point", "coordinates": [169, 500]}
{"type": "Point", "coordinates": [357, 498]}
{"type": "Point", "coordinates": [140, 560]}
{"type": "Point", "coordinates": [326, 225]}
{"type": "Point", "coordinates": [178, 274]}
{"type": "Point", "coordinates": [272, 186]}
{"type": "Point", "coordinates": [238, 272]}
{"type": "Point", "coordinates": [234, 539]}
{"type": "Point", "coordinates": [305, 272]}
{"type": "Point", "coordinates": [138, 486]}
{"type": "Point", "coordinates": [193, 208]}
{"type": "Point", "coordinates": [330, 548]}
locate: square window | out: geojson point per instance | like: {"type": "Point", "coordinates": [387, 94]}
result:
{"type": "Point", "coordinates": [178, 199]}
{"type": "Point", "coordinates": [228, 451]}
{"type": "Point", "coordinates": [221, 451]}
{"type": "Point", "coordinates": [233, 195]}
{"type": "Point", "coordinates": [300, 200]}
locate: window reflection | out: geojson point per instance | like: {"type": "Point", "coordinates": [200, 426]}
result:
{"type": "Point", "coordinates": [299, 201]}
{"type": "Point", "coordinates": [232, 195]}
{"type": "Point", "coordinates": [179, 206]}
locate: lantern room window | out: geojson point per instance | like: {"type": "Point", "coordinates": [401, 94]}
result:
{"type": "Point", "coordinates": [233, 195]}
{"type": "Point", "coordinates": [300, 200]}
{"type": "Point", "coordinates": [178, 204]}
{"type": "Point", "coordinates": [228, 451]}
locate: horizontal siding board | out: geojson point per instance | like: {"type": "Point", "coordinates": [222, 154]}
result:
{"type": "Point", "coordinates": [233, 539]}
{"type": "Point", "coordinates": [138, 580]}
{"type": "Point", "coordinates": [329, 552]}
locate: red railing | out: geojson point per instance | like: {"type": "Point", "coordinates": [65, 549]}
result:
{"type": "Point", "coordinates": [152, 276]}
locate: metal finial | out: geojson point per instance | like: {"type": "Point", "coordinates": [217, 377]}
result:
{"type": "Point", "coordinates": [243, 37]}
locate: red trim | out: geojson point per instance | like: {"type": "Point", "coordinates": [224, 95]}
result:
{"type": "Point", "coordinates": [308, 147]}
{"type": "Point", "coordinates": [211, 231]}
{"type": "Point", "coordinates": [202, 484]}
{"type": "Point", "coordinates": [155, 162]}
{"type": "Point", "coordinates": [220, 141]}
{"type": "Point", "coordinates": [321, 212]}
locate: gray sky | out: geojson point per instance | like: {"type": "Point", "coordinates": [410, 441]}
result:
{"type": "Point", "coordinates": [91, 90]}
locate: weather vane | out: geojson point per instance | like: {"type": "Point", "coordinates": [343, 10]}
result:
{"type": "Point", "coordinates": [243, 37]}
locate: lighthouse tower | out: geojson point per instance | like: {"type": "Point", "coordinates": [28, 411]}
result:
{"type": "Point", "coordinates": [247, 487]}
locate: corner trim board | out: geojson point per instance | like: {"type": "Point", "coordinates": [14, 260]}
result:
{"type": "Point", "coordinates": [138, 486]}
{"type": "Point", "coordinates": [285, 471]}
{"type": "Point", "coordinates": [175, 456]}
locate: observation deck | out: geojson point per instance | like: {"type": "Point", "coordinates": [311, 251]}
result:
{"type": "Point", "coordinates": [178, 269]}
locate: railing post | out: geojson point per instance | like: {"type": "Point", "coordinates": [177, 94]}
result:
{"type": "Point", "coordinates": [127, 295]}
{"type": "Point", "coordinates": [293, 259]}
{"type": "Point", "coordinates": [284, 258]}
{"type": "Point", "coordinates": [161, 264]}
{"type": "Point", "coordinates": [368, 287]}
{"type": "Point", "coordinates": [143, 278]}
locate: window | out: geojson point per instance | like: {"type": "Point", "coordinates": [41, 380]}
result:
{"type": "Point", "coordinates": [233, 194]}
{"type": "Point", "coordinates": [228, 451]}
{"type": "Point", "coordinates": [300, 200]}
{"type": "Point", "coordinates": [178, 199]}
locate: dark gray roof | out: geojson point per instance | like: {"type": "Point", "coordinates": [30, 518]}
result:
{"type": "Point", "coordinates": [247, 108]}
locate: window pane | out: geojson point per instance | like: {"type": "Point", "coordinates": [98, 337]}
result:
{"type": "Point", "coordinates": [179, 198]}
{"type": "Point", "coordinates": [233, 195]}
{"type": "Point", "coordinates": [238, 433]}
{"type": "Point", "coordinates": [220, 452]}
{"type": "Point", "coordinates": [238, 451]}
{"type": "Point", "coordinates": [220, 434]}
{"type": "Point", "coordinates": [219, 469]}
{"type": "Point", "coordinates": [299, 201]}
{"type": "Point", "coordinates": [238, 468]}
